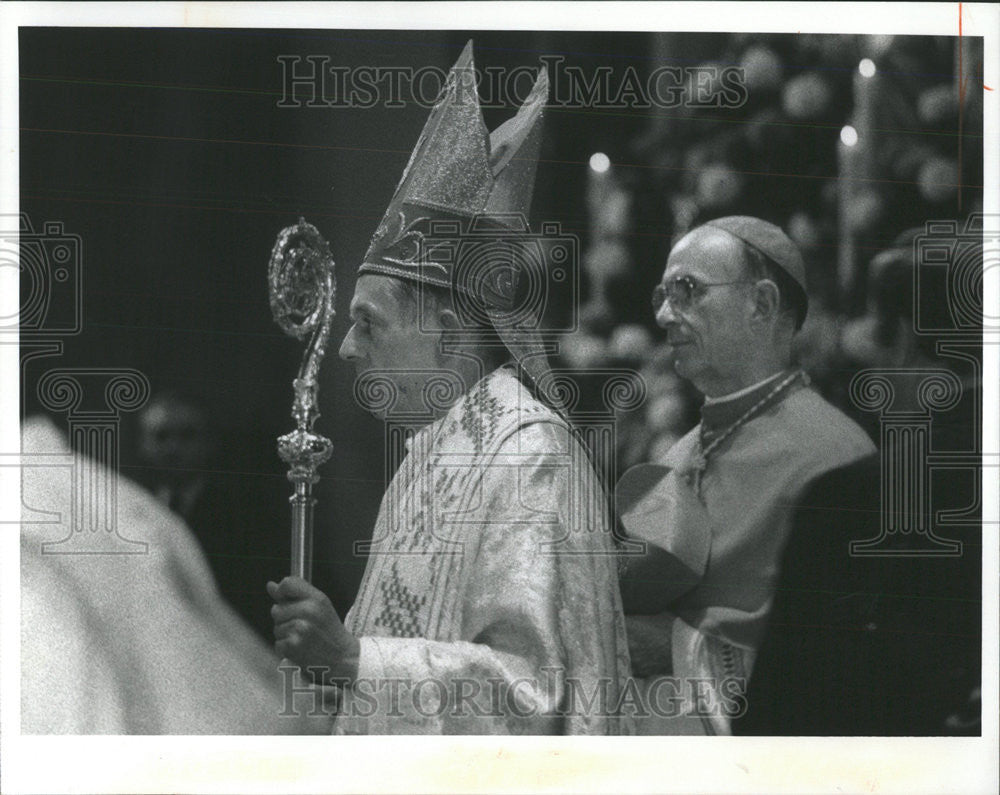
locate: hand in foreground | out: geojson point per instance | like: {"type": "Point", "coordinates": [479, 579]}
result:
{"type": "Point", "coordinates": [308, 631]}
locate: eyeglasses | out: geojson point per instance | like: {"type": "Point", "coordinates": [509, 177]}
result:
{"type": "Point", "coordinates": [683, 290]}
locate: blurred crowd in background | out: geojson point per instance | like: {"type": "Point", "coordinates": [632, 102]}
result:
{"type": "Point", "coordinates": [851, 156]}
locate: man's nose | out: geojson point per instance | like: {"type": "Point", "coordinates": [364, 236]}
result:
{"type": "Point", "coordinates": [348, 348]}
{"type": "Point", "coordinates": [665, 316]}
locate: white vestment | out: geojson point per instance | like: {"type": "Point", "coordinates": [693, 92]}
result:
{"type": "Point", "coordinates": [132, 640]}
{"type": "Point", "coordinates": [490, 603]}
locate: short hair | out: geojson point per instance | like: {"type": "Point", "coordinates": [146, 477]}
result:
{"type": "Point", "coordinates": [791, 296]}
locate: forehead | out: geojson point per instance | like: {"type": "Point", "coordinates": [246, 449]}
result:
{"type": "Point", "coordinates": [709, 254]}
{"type": "Point", "coordinates": [377, 294]}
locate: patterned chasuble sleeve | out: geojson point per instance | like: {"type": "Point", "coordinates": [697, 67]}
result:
{"type": "Point", "coordinates": [490, 604]}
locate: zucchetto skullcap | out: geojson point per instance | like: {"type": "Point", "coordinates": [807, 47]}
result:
{"type": "Point", "coordinates": [770, 241]}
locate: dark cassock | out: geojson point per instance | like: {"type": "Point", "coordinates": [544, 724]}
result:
{"type": "Point", "coordinates": [867, 645]}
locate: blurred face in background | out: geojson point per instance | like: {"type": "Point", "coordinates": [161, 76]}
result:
{"type": "Point", "coordinates": [708, 321]}
{"type": "Point", "coordinates": [386, 335]}
{"type": "Point", "coordinates": [173, 436]}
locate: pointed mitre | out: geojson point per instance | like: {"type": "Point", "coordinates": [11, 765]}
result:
{"type": "Point", "coordinates": [458, 172]}
{"type": "Point", "coordinates": [468, 181]}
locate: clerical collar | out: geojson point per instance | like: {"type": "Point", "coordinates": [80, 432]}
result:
{"type": "Point", "coordinates": [741, 392]}
{"type": "Point", "coordinates": [723, 418]}
{"type": "Point", "coordinates": [720, 412]}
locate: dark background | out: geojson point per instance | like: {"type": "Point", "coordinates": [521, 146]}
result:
{"type": "Point", "coordinates": [166, 152]}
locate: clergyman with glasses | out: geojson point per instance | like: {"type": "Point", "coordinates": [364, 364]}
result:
{"type": "Point", "coordinates": [716, 514]}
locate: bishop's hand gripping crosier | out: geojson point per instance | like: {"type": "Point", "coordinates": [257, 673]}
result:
{"type": "Point", "coordinates": [303, 287]}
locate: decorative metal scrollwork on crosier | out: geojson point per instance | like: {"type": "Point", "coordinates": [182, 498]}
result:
{"type": "Point", "coordinates": [303, 289]}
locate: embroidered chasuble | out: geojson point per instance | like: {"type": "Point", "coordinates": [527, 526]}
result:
{"type": "Point", "coordinates": [731, 529]}
{"type": "Point", "coordinates": [490, 602]}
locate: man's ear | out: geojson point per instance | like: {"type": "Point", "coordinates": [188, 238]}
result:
{"type": "Point", "coordinates": [767, 300]}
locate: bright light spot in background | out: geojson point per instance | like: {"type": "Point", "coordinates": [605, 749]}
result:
{"type": "Point", "coordinates": [600, 162]}
{"type": "Point", "coordinates": [848, 135]}
{"type": "Point", "coordinates": [867, 67]}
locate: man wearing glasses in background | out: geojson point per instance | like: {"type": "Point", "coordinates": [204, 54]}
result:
{"type": "Point", "coordinates": [716, 515]}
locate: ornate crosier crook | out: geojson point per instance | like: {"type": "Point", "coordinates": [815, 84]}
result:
{"type": "Point", "coordinates": [303, 287]}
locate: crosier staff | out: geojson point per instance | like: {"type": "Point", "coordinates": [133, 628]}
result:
{"type": "Point", "coordinates": [303, 288]}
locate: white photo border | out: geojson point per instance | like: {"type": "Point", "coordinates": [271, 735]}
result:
{"type": "Point", "coordinates": [483, 764]}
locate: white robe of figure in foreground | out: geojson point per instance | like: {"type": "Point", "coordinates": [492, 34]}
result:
{"type": "Point", "coordinates": [132, 643]}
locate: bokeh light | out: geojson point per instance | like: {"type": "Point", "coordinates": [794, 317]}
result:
{"type": "Point", "coordinates": [600, 162]}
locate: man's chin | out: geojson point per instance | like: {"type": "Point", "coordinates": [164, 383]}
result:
{"type": "Point", "coordinates": [683, 364]}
